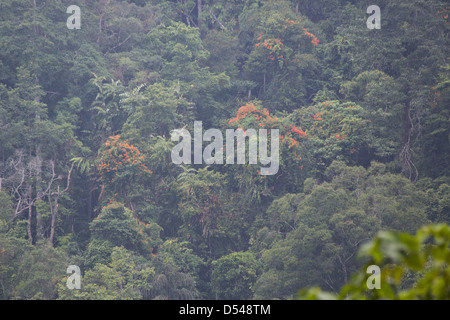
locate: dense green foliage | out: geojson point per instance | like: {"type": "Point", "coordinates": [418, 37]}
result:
{"type": "Point", "coordinates": [86, 176]}
{"type": "Point", "coordinates": [422, 259]}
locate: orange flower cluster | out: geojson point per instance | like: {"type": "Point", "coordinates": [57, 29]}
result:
{"type": "Point", "coordinates": [264, 117]}
{"type": "Point", "coordinates": [266, 120]}
{"type": "Point", "coordinates": [120, 154]}
{"type": "Point", "coordinates": [143, 227]}
{"type": "Point", "coordinates": [243, 112]}
{"type": "Point", "coordinates": [113, 204]}
{"type": "Point", "coordinates": [443, 14]}
{"type": "Point", "coordinates": [318, 116]}
{"type": "Point", "coordinates": [290, 21]}
{"type": "Point", "coordinates": [339, 136]}
{"type": "Point", "coordinates": [314, 40]}
{"type": "Point", "coordinates": [300, 132]}
{"type": "Point", "coordinates": [272, 45]}
{"type": "Point", "coordinates": [293, 143]}
{"type": "Point", "coordinates": [436, 96]}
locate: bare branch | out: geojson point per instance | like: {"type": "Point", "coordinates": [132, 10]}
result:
{"type": "Point", "coordinates": [217, 20]}
{"type": "Point", "coordinates": [55, 204]}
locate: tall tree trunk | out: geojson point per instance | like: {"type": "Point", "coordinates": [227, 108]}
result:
{"type": "Point", "coordinates": [37, 116]}
{"type": "Point", "coordinates": [54, 208]}
{"type": "Point", "coordinates": [35, 27]}
{"type": "Point", "coordinates": [54, 212]}
{"type": "Point", "coordinates": [90, 203]}
{"type": "Point", "coordinates": [264, 84]}
{"type": "Point", "coordinates": [30, 198]}
{"type": "Point", "coordinates": [199, 13]}
{"type": "Point", "coordinates": [38, 187]}
{"type": "Point", "coordinates": [30, 214]}
{"type": "Point", "coordinates": [405, 154]}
